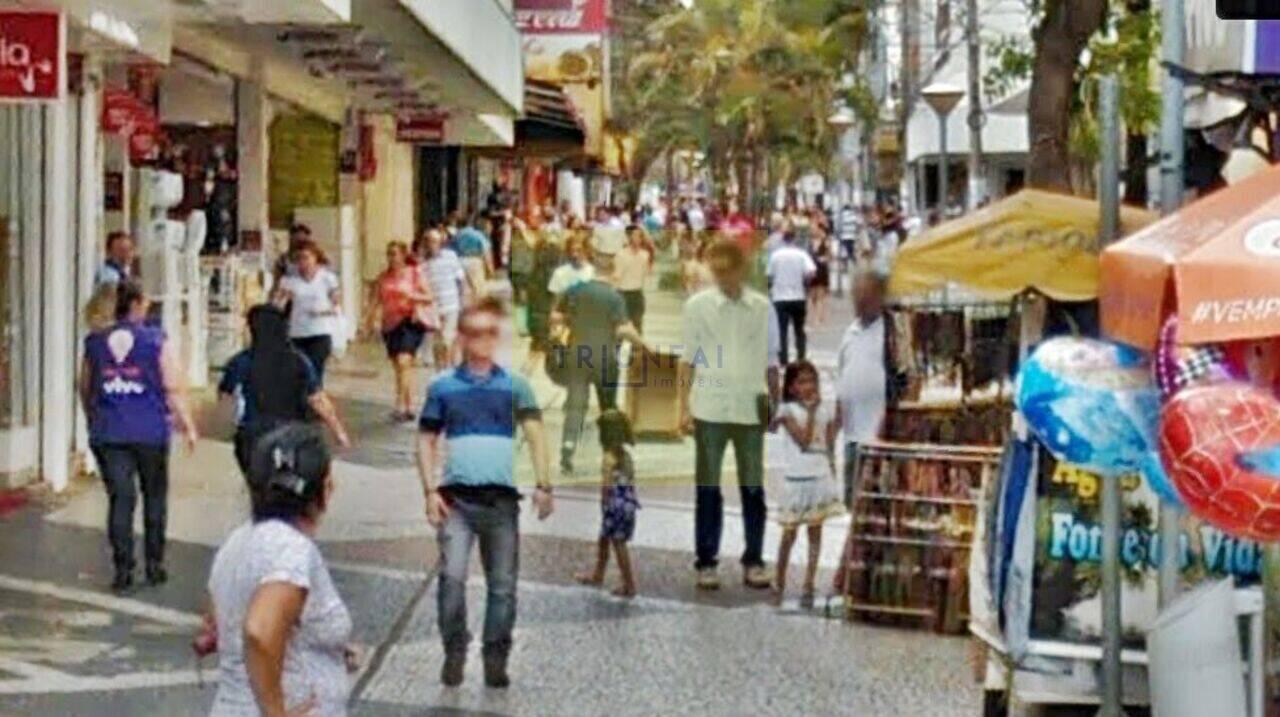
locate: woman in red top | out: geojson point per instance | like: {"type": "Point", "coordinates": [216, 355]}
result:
{"type": "Point", "coordinates": [405, 301]}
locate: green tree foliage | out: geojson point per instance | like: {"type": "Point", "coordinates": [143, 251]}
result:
{"type": "Point", "coordinates": [745, 82]}
{"type": "Point", "coordinates": [1126, 45]}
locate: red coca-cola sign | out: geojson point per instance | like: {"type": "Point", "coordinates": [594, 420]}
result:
{"type": "Point", "coordinates": [561, 16]}
{"type": "Point", "coordinates": [32, 56]}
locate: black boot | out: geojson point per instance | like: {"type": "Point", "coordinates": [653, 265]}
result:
{"type": "Point", "coordinates": [123, 582]}
{"type": "Point", "coordinates": [156, 574]}
{"type": "Point", "coordinates": [495, 671]}
{"type": "Point", "coordinates": [451, 675]}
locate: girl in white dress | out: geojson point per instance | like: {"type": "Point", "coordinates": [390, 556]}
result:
{"type": "Point", "coordinates": [810, 493]}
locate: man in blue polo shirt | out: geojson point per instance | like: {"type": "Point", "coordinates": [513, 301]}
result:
{"type": "Point", "coordinates": [475, 408]}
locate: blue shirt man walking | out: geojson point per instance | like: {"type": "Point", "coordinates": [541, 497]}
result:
{"type": "Point", "coordinates": [475, 409]}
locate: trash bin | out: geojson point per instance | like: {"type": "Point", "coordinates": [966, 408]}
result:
{"type": "Point", "coordinates": [1195, 668]}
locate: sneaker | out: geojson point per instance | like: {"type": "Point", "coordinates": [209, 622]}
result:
{"type": "Point", "coordinates": [495, 672]}
{"type": "Point", "coordinates": [708, 579]}
{"type": "Point", "coordinates": [452, 673]}
{"type": "Point", "coordinates": [756, 577]}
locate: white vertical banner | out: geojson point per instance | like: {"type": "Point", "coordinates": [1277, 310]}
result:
{"type": "Point", "coordinates": [89, 172]}
{"type": "Point", "coordinates": [58, 344]}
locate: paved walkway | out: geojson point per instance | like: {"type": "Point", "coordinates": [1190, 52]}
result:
{"type": "Point", "coordinates": [69, 648]}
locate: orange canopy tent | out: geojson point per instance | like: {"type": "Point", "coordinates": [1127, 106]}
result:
{"type": "Point", "coordinates": [1216, 261]}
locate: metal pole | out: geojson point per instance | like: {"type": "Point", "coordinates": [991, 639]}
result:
{"type": "Point", "coordinates": [1112, 497]}
{"type": "Point", "coordinates": [1171, 188]}
{"type": "Point", "coordinates": [977, 182]}
{"type": "Point", "coordinates": [942, 166]}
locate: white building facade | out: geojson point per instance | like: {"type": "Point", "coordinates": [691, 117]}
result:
{"type": "Point", "coordinates": [234, 90]}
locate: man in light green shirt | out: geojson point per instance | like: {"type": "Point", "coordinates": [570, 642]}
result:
{"type": "Point", "coordinates": [727, 389]}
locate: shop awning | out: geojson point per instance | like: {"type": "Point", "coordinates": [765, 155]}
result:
{"type": "Point", "coordinates": [1216, 260]}
{"type": "Point", "coordinates": [1031, 240]}
{"type": "Point", "coordinates": [549, 119]}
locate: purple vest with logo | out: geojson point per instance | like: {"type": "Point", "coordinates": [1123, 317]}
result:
{"type": "Point", "coordinates": [129, 404]}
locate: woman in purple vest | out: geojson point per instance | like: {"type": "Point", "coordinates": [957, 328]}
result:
{"type": "Point", "coordinates": [130, 384]}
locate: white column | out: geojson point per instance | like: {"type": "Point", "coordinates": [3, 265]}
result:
{"type": "Point", "coordinates": [253, 120]}
{"type": "Point", "coordinates": [89, 168]}
{"type": "Point", "coordinates": [58, 366]}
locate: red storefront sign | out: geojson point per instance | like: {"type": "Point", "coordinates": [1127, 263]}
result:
{"type": "Point", "coordinates": [32, 56]}
{"type": "Point", "coordinates": [420, 129]}
{"type": "Point", "coordinates": [120, 110]}
{"type": "Point", "coordinates": [561, 16]}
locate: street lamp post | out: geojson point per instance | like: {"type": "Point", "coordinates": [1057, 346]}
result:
{"type": "Point", "coordinates": [942, 98]}
{"type": "Point", "coordinates": [842, 121]}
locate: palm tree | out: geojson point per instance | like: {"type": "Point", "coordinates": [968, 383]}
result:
{"type": "Point", "coordinates": [749, 83]}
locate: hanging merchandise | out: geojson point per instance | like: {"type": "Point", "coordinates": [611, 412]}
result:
{"type": "Point", "coordinates": [907, 555]}
{"type": "Point", "coordinates": [1093, 404]}
{"type": "Point", "coordinates": [1221, 445]}
{"type": "Point", "coordinates": [367, 162]}
{"type": "Point", "coordinates": [145, 139]}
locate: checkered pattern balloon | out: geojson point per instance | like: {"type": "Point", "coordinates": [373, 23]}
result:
{"type": "Point", "coordinates": [1221, 446]}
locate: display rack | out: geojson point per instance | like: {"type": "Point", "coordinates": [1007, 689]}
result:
{"type": "Point", "coordinates": [914, 517]}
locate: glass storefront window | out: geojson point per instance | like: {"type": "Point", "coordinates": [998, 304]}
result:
{"type": "Point", "coordinates": [21, 219]}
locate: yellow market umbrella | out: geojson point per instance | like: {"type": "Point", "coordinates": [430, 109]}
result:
{"type": "Point", "coordinates": [1030, 240]}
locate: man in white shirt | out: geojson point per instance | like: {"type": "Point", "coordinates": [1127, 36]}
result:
{"type": "Point", "coordinates": [862, 380]}
{"type": "Point", "coordinates": [789, 270]}
{"type": "Point", "coordinates": [728, 384]}
{"type": "Point", "coordinates": [849, 228]}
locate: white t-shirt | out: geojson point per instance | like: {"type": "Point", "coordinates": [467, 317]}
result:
{"type": "Point", "coordinates": [275, 552]}
{"type": "Point", "coordinates": [789, 269]}
{"type": "Point", "coordinates": [697, 219]}
{"type": "Point", "coordinates": [311, 299]}
{"type": "Point", "coordinates": [862, 380]}
{"type": "Point", "coordinates": [567, 276]}
{"type": "Point", "coordinates": [806, 461]}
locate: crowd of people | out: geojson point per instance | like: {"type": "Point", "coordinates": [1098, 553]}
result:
{"type": "Point", "coordinates": [580, 293]}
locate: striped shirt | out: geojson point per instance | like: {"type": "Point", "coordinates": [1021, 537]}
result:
{"type": "Point", "coordinates": [445, 275]}
{"type": "Point", "coordinates": [850, 224]}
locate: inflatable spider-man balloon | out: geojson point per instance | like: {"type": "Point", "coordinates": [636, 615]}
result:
{"type": "Point", "coordinates": [1220, 444]}
{"type": "Point", "coordinates": [1094, 403]}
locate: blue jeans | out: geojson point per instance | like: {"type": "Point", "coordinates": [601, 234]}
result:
{"type": "Point", "coordinates": [493, 520]}
{"type": "Point", "coordinates": [710, 440]}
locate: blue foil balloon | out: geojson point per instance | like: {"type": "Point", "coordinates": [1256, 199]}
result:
{"type": "Point", "coordinates": [1094, 404]}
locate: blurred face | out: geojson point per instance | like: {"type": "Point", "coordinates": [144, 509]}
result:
{"type": "Point", "coordinates": [435, 240]}
{"type": "Point", "coordinates": [573, 250]}
{"type": "Point", "coordinates": [868, 296]}
{"type": "Point", "coordinates": [121, 250]}
{"type": "Point", "coordinates": [728, 274]}
{"type": "Point", "coordinates": [139, 309]}
{"type": "Point", "coordinates": [806, 387]}
{"type": "Point", "coordinates": [480, 335]}
{"type": "Point", "coordinates": [308, 262]}
{"type": "Point", "coordinates": [636, 238]}
{"type": "Point", "coordinates": [396, 257]}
